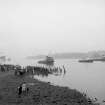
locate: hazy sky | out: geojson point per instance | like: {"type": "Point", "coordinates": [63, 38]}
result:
{"type": "Point", "coordinates": [41, 26]}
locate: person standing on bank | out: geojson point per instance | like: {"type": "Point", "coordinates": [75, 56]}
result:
{"type": "Point", "coordinates": [22, 89]}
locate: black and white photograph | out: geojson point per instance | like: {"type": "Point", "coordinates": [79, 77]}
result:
{"type": "Point", "coordinates": [52, 52]}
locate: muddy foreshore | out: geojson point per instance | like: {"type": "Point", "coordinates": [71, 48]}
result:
{"type": "Point", "coordinates": [40, 93]}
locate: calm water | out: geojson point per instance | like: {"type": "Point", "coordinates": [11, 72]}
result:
{"type": "Point", "coordinates": [85, 77]}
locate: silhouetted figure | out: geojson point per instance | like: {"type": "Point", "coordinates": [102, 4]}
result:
{"type": "Point", "coordinates": [64, 70]}
{"type": "Point", "coordinates": [20, 90]}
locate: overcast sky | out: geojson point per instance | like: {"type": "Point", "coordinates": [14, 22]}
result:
{"type": "Point", "coordinates": [41, 26]}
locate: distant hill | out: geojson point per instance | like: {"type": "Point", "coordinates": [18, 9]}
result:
{"type": "Point", "coordinates": [75, 55]}
{"type": "Point", "coordinates": [36, 57]}
{"type": "Point", "coordinates": [4, 58]}
{"type": "Point", "coordinates": [60, 56]}
{"type": "Point", "coordinates": [69, 55]}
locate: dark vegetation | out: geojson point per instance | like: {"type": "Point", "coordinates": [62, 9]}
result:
{"type": "Point", "coordinates": [33, 70]}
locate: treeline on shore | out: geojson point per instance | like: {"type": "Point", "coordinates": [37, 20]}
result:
{"type": "Point", "coordinates": [34, 70]}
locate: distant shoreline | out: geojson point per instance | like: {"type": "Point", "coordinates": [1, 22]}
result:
{"type": "Point", "coordinates": [75, 55]}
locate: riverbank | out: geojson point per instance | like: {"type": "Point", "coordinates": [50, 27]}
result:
{"type": "Point", "coordinates": [40, 93]}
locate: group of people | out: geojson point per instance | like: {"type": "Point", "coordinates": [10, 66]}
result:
{"type": "Point", "coordinates": [6, 67]}
{"type": "Point", "coordinates": [23, 89]}
{"type": "Point", "coordinates": [39, 70]}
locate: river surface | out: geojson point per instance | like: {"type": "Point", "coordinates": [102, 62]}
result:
{"type": "Point", "coordinates": [85, 77]}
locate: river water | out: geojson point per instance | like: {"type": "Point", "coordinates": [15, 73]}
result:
{"type": "Point", "coordinates": [85, 77]}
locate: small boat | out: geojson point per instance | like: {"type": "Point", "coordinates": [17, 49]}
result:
{"type": "Point", "coordinates": [48, 60]}
{"type": "Point", "coordinates": [86, 60]}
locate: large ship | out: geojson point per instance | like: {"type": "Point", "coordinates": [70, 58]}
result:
{"type": "Point", "coordinates": [48, 60]}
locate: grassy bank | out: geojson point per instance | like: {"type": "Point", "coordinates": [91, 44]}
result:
{"type": "Point", "coordinates": [40, 93]}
